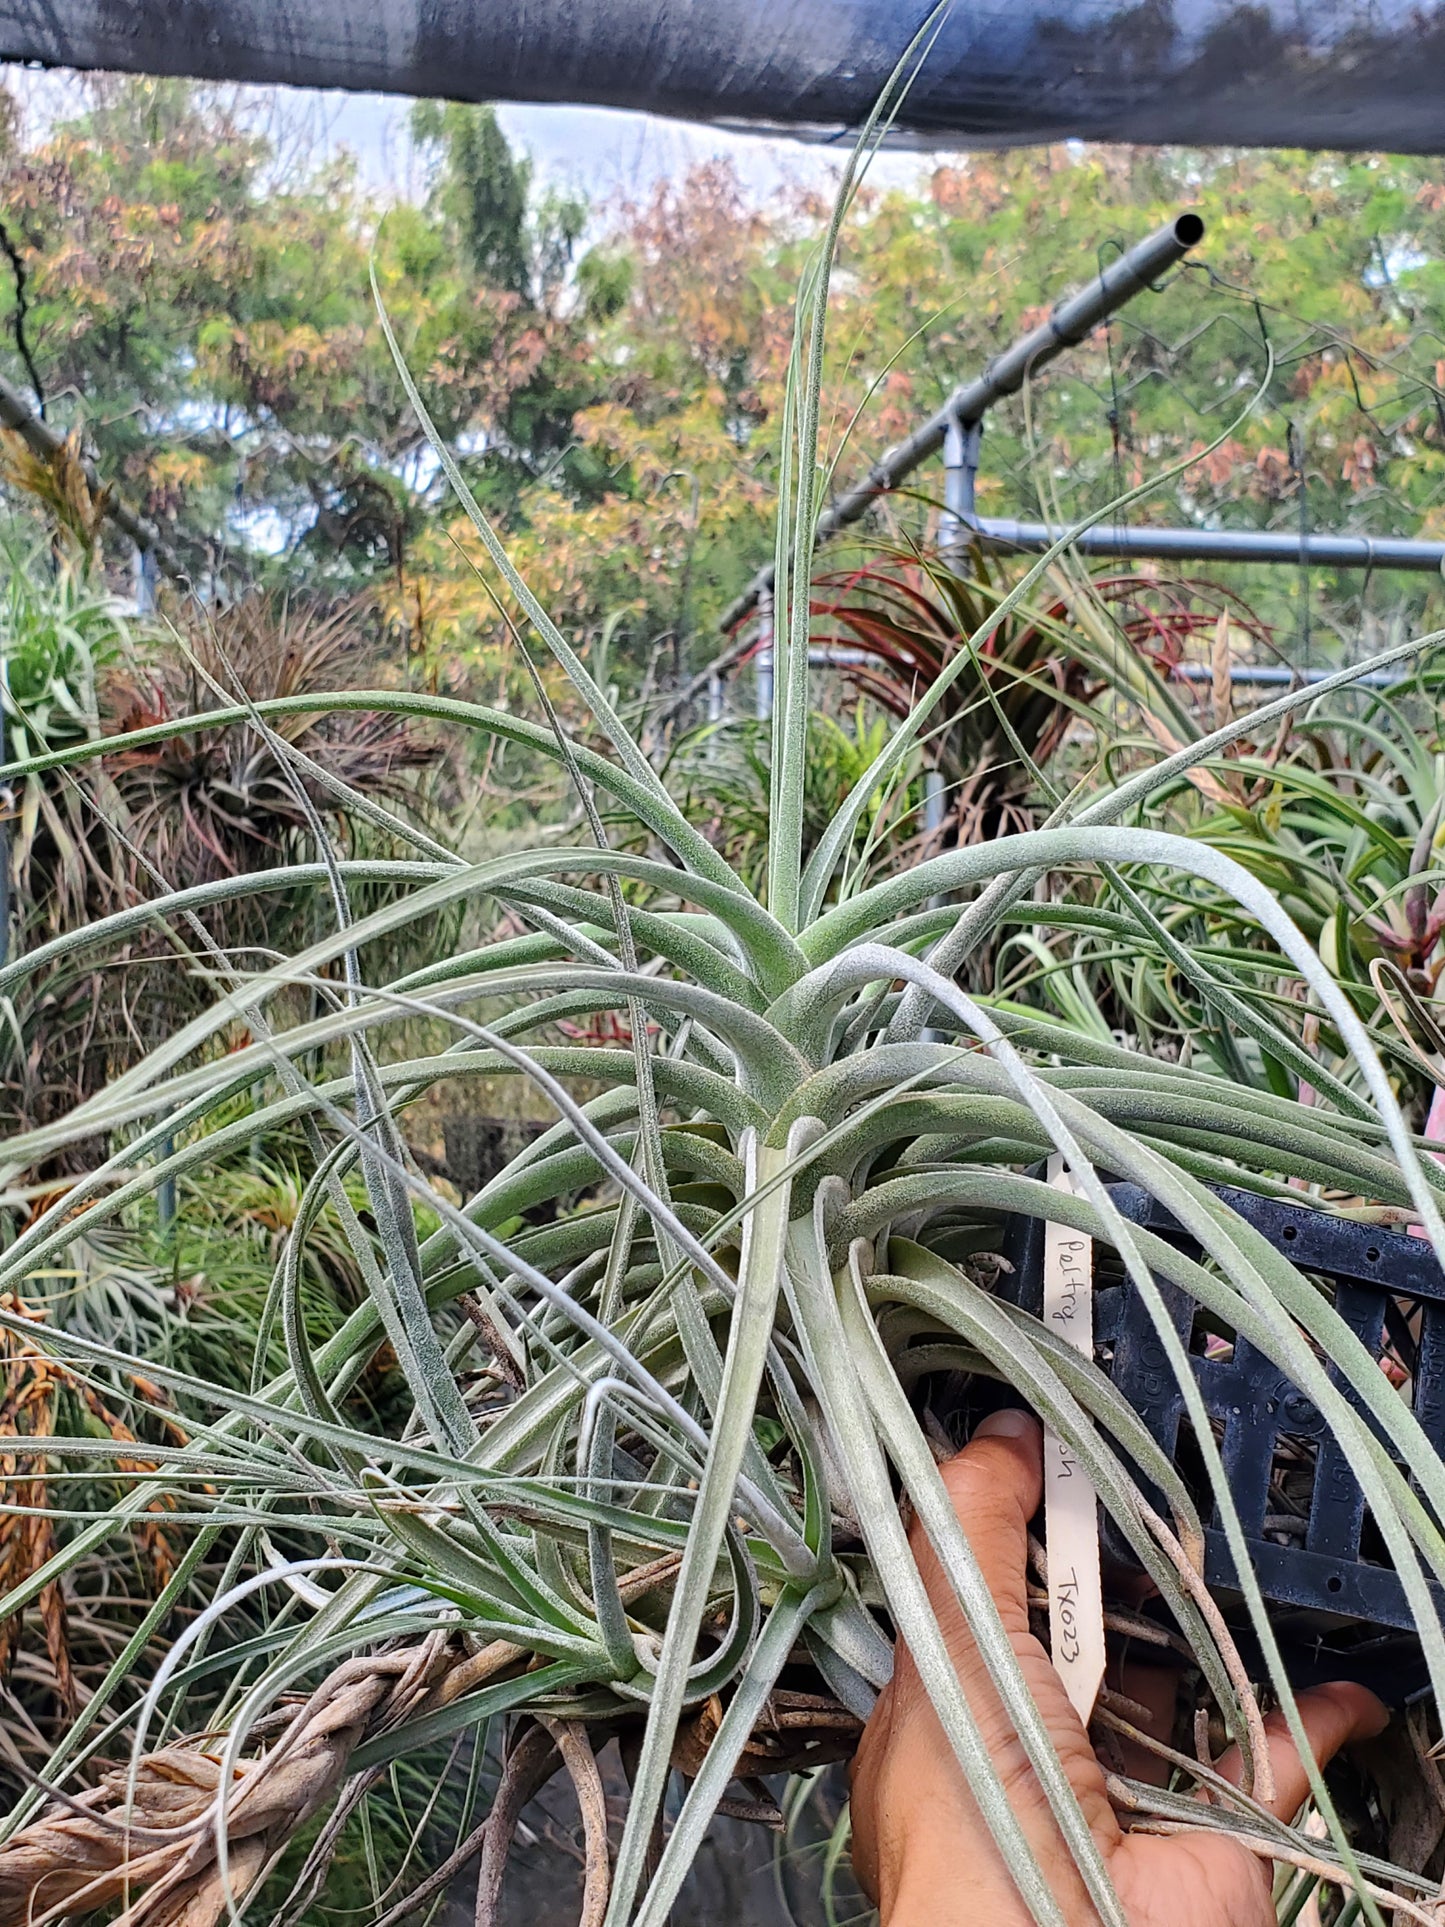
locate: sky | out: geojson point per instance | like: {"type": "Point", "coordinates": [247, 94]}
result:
{"type": "Point", "coordinates": [602, 151]}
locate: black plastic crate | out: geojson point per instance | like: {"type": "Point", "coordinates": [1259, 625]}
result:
{"type": "Point", "coordinates": [1343, 1611]}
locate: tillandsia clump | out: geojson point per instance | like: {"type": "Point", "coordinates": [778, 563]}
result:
{"type": "Point", "coordinates": [177, 809]}
{"type": "Point", "coordinates": [1341, 820]}
{"type": "Point", "coordinates": [646, 1479]}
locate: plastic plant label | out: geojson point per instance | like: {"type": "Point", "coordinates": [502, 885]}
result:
{"type": "Point", "coordinates": [1076, 1600]}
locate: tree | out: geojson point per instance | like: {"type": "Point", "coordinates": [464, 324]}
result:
{"type": "Point", "coordinates": [1332, 266]}
{"type": "Point", "coordinates": [482, 190]}
{"type": "Point", "coordinates": [614, 391]}
{"type": "Point", "coordinates": [209, 319]}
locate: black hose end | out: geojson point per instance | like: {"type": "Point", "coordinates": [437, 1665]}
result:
{"type": "Point", "coordinates": [1189, 230]}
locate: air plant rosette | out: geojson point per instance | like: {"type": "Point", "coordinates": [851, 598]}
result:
{"type": "Point", "coordinates": [650, 1483]}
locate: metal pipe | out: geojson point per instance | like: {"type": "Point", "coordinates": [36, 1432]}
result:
{"type": "Point", "coordinates": [1278, 676]}
{"type": "Point", "coordinates": [961, 448]}
{"type": "Point", "coordinates": [1275, 73]}
{"type": "Point", "coordinates": [1071, 322]}
{"type": "Point", "coordinates": [1225, 545]}
{"type": "Point", "coordinates": [935, 796]}
{"type": "Point", "coordinates": [763, 661]}
{"type": "Point", "coordinates": [144, 576]}
{"type": "Point", "coordinates": [1261, 675]}
{"type": "Point", "coordinates": [834, 655]}
{"type": "Point", "coordinates": [838, 655]}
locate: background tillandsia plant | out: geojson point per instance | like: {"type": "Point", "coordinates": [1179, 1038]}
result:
{"type": "Point", "coordinates": [644, 1478]}
{"type": "Point", "coordinates": [181, 808]}
{"type": "Point", "coordinates": [1341, 819]}
{"type": "Point", "coordinates": [900, 619]}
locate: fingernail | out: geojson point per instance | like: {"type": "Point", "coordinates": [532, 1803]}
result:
{"type": "Point", "coordinates": [1009, 1424]}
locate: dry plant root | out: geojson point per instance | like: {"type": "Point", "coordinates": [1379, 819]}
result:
{"type": "Point", "coordinates": [147, 1837]}
{"type": "Point", "coordinates": [156, 1852]}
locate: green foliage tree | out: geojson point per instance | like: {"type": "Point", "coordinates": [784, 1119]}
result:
{"type": "Point", "coordinates": [1314, 297]}
{"type": "Point", "coordinates": [613, 383]}
{"type": "Point", "coordinates": [482, 190]}
{"type": "Point", "coordinates": [204, 310]}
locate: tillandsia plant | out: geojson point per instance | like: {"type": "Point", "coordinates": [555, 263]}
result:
{"type": "Point", "coordinates": [900, 618]}
{"type": "Point", "coordinates": [1341, 820]}
{"type": "Point", "coordinates": [721, 775]}
{"type": "Point", "coordinates": [649, 1483]}
{"type": "Point", "coordinates": [181, 808]}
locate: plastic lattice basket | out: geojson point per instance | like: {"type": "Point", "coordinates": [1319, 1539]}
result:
{"type": "Point", "coordinates": [1342, 1611]}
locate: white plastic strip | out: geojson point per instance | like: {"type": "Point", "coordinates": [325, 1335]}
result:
{"type": "Point", "coordinates": [1076, 1601]}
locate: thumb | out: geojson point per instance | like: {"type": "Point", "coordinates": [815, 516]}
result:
{"type": "Point", "coordinates": [1332, 1716]}
{"type": "Point", "coordinates": [995, 1484]}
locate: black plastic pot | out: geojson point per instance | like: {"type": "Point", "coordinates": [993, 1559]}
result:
{"type": "Point", "coordinates": [1342, 1608]}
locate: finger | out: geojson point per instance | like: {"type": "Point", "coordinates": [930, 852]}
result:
{"type": "Point", "coordinates": [1333, 1716]}
{"type": "Point", "coordinates": [995, 1484]}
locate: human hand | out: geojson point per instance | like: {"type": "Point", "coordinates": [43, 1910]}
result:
{"type": "Point", "coordinates": [920, 1845]}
